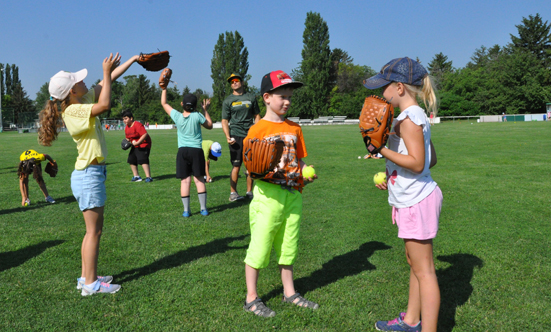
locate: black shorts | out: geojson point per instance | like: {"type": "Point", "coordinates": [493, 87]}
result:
{"type": "Point", "coordinates": [190, 161]}
{"type": "Point", "coordinates": [236, 151]}
{"type": "Point", "coordinates": [138, 156]}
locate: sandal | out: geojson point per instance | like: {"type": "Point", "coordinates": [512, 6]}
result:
{"type": "Point", "coordinates": [260, 310]}
{"type": "Point", "coordinates": [302, 302]}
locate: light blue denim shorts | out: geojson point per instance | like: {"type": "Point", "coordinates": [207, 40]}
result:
{"type": "Point", "coordinates": [88, 186]}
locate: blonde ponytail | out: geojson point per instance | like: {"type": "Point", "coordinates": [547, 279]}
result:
{"type": "Point", "coordinates": [425, 92]}
{"type": "Point", "coordinates": [50, 122]}
{"type": "Point", "coordinates": [429, 95]}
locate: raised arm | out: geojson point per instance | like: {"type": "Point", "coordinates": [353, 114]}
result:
{"type": "Point", "coordinates": [121, 69]}
{"type": "Point", "coordinates": [205, 104]}
{"type": "Point", "coordinates": [104, 98]}
{"type": "Point", "coordinates": [166, 106]}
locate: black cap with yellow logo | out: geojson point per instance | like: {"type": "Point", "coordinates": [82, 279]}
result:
{"type": "Point", "coordinates": [232, 76]}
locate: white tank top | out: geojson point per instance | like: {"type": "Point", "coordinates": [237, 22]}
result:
{"type": "Point", "coordinates": [407, 188]}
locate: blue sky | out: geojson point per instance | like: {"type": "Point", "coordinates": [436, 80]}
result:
{"type": "Point", "coordinates": [44, 37]}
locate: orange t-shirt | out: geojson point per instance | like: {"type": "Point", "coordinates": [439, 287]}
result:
{"type": "Point", "coordinates": [288, 172]}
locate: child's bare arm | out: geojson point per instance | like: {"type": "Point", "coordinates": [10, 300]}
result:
{"type": "Point", "coordinates": [205, 104]}
{"type": "Point", "coordinates": [104, 99]}
{"type": "Point", "coordinates": [117, 72]}
{"type": "Point", "coordinates": [166, 106]}
{"type": "Point", "coordinates": [412, 135]}
{"type": "Point", "coordinates": [48, 157]}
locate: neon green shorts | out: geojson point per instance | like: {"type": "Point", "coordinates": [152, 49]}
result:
{"type": "Point", "coordinates": [275, 216]}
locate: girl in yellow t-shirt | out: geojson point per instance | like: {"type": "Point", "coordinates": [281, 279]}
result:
{"type": "Point", "coordinates": [80, 109]}
{"type": "Point", "coordinates": [29, 162]}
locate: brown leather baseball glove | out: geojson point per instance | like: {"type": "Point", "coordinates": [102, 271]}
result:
{"type": "Point", "coordinates": [375, 123]}
{"type": "Point", "coordinates": [51, 169]}
{"type": "Point", "coordinates": [261, 156]}
{"type": "Point", "coordinates": [165, 78]}
{"type": "Point", "coordinates": [154, 61]}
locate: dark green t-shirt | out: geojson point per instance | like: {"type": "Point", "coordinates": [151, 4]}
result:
{"type": "Point", "coordinates": [240, 111]}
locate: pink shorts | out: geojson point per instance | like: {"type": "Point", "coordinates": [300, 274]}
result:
{"type": "Point", "coordinates": [420, 221]}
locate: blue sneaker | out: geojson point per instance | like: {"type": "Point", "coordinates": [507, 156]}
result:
{"type": "Point", "coordinates": [105, 279]}
{"type": "Point", "coordinates": [186, 214]}
{"type": "Point", "coordinates": [148, 179]}
{"type": "Point", "coordinates": [136, 179]}
{"type": "Point", "coordinates": [397, 324]}
{"type": "Point", "coordinates": [204, 212]}
{"type": "Point", "coordinates": [103, 288]}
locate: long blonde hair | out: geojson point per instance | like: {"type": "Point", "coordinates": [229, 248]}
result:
{"type": "Point", "coordinates": [50, 122]}
{"type": "Point", "coordinates": [425, 92]}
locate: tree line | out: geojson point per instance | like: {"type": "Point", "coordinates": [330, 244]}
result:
{"type": "Point", "coordinates": [511, 79]}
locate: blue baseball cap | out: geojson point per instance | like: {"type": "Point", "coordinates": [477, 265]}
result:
{"type": "Point", "coordinates": [404, 70]}
{"type": "Point", "coordinates": [216, 149]}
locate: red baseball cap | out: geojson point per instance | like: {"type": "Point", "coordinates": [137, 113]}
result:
{"type": "Point", "coordinates": [277, 79]}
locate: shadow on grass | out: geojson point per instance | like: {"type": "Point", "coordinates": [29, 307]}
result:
{"type": "Point", "coordinates": [220, 177]}
{"type": "Point", "coordinates": [455, 286]}
{"type": "Point", "coordinates": [229, 205]}
{"type": "Point", "coordinates": [11, 169]}
{"type": "Point", "coordinates": [39, 204]}
{"type": "Point", "coordinates": [180, 258]}
{"type": "Point", "coordinates": [173, 176]}
{"type": "Point", "coordinates": [164, 177]}
{"type": "Point", "coordinates": [11, 259]}
{"type": "Point", "coordinates": [339, 267]}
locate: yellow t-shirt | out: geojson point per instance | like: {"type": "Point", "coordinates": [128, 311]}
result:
{"type": "Point", "coordinates": [29, 154]}
{"type": "Point", "coordinates": [86, 131]}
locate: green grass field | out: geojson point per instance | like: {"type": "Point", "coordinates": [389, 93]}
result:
{"type": "Point", "coordinates": [493, 254]}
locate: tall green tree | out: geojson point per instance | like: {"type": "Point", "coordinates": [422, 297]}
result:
{"type": "Point", "coordinates": [8, 79]}
{"type": "Point", "coordinates": [42, 96]}
{"type": "Point", "coordinates": [483, 56]}
{"type": "Point", "coordinates": [338, 56]}
{"type": "Point", "coordinates": [314, 70]}
{"type": "Point", "coordinates": [229, 56]}
{"type": "Point", "coordinates": [186, 91]}
{"type": "Point", "coordinates": [439, 67]}
{"type": "Point", "coordinates": [2, 88]}
{"type": "Point", "coordinates": [25, 112]}
{"type": "Point", "coordinates": [15, 75]}
{"type": "Point", "coordinates": [348, 95]}
{"type": "Point", "coordinates": [534, 36]}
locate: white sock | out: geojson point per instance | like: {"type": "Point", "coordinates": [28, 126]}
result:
{"type": "Point", "coordinates": [93, 286]}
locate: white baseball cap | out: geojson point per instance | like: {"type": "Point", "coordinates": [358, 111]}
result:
{"type": "Point", "coordinates": [216, 149]}
{"type": "Point", "coordinates": [62, 82]}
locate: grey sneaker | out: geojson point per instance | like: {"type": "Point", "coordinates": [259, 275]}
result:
{"type": "Point", "coordinates": [103, 288]}
{"type": "Point", "coordinates": [105, 279]}
{"type": "Point", "coordinates": [235, 197]}
{"type": "Point", "coordinates": [49, 199]}
{"type": "Point", "coordinates": [250, 195]}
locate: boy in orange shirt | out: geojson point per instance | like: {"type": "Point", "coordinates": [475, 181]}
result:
{"type": "Point", "coordinates": [275, 212]}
